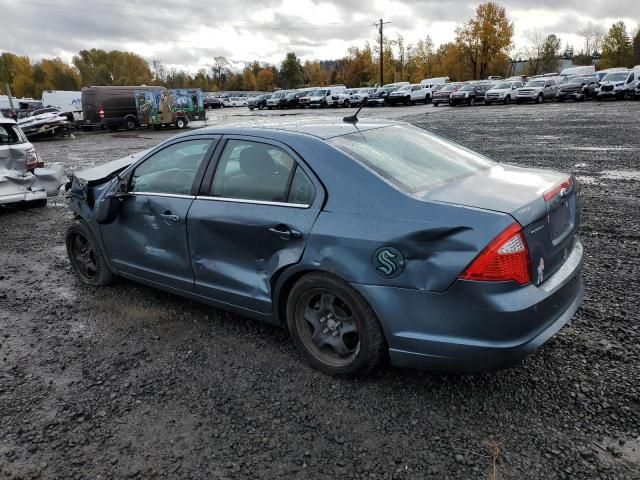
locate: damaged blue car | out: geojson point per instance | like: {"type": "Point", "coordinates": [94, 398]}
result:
{"type": "Point", "coordinates": [367, 241]}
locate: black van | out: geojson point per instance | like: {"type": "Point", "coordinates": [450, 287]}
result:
{"type": "Point", "coordinates": [112, 107]}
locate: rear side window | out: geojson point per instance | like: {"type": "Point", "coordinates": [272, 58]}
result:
{"type": "Point", "coordinates": [256, 171]}
{"type": "Point", "coordinates": [10, 135]}
{"type": "Point", "coordinates": [412, 159]}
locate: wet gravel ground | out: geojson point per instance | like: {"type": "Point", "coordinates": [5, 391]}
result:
{"type": "Point", "coordinates": [130, 382]}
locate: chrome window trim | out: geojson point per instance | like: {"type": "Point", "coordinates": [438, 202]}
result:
{"type": "Point", "coordinates": [254, 202]}
{"type": "Point", "coordinates": [169, 195]}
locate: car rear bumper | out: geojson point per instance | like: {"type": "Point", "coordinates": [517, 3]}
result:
{"type": "Point", "coordinates": [476, 325]}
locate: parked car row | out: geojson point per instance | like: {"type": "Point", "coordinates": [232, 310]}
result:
{"type": "Point", "coordinates": [576, 83]}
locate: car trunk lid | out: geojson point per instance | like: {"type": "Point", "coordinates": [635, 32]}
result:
{"type": "Point", "coordinates": [543, 202]}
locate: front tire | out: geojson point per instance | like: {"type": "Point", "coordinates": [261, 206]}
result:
{"type": "Point", "coordinates": [86, 257]}
{"type": "Point", "coordinates": [333, 326]}
{"type": "Point", "coordinates": [507, 100]}
{"type": "Point", "coordinates": [539, 99]}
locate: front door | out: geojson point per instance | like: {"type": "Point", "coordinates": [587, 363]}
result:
{"type": "Point", "coordinates": [251, 221]}
{"type": "Point", "coordinates": [148, 239]}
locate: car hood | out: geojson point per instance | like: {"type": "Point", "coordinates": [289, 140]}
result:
{"type": "Point", "coordinates": [504, 188]}
{"type": "Point", "coordinates": [107, 170]}
{"type": "Point", "coordinates": [499, 90]}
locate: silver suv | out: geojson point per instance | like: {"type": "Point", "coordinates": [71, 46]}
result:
{"type": "Point", "coordinates": [537, 90]}
{"type": "Point", "coordinates": [503, 92]}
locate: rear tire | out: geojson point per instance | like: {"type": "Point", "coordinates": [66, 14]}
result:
{"type": "Point", "coordinates": [129, 124]}
{"type": "Point", "coordinates": [180, 123]}
{"type": "Point", "coordinates": [333, 326]}
{"type": "Point", "coordinates": [86, 257]}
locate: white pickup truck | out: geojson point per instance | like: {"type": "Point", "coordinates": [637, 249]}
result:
{"type": "Point", "coordinates": [408, 94]}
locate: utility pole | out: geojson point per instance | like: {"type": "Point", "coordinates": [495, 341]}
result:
{"type": "Point", "coordinates": [379, 25]}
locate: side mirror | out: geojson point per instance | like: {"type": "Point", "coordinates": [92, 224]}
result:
{"type": "Point", "coordinates": [108, 206]}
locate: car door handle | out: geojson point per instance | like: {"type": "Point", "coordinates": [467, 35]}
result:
{"type": "Point", "coordinates": [285, 232]}
{"type": "Point", "coordinates": [170, 216]}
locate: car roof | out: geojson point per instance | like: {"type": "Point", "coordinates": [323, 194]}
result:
{"type": "Point", "coordinates": [320, 128]}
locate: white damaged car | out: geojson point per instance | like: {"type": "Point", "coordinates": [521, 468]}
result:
{"type": "Point", "coordinates": [23, 177]}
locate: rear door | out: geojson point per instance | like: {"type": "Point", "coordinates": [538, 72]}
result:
{"type": "Point", "coordinates": [148, 239]}
{"type": "Point", "coordinates": [251, 219]}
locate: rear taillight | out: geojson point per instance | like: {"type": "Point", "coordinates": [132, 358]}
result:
{"type": "Point", "coordinates": [505, 258]}
{"type": "Point", "coordinates": [101, 112]}
{"type": "Point", "coordinates": [32, 159]}
{"type": "Point", "coordinates": [566, 185]}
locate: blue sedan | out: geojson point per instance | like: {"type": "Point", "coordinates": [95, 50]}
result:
{"type": "Point", "coordinates": [367, 241]}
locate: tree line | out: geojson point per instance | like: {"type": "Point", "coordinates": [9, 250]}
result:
{"type": "Point", "coordinates": [482, 46]}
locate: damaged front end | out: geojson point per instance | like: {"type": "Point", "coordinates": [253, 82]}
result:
{"type": "Point", "coordinates": [88, 187]}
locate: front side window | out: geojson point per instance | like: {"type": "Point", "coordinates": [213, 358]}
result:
{"type": "Point", "coordinates": [172, 170]}
{"type": "Point", "coordinates": [261, 172]}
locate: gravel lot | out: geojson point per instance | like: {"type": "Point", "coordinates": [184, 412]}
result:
{"type": "Point", "coordinates": [130, 382]}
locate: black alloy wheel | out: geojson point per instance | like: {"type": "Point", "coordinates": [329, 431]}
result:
{"type": "Point", "coordinates": [333, 326]}
{"type": "Point", "coordinates": [85, 255]}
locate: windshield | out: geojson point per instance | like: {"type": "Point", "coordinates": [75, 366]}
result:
{"type": "Point", "coordinates": [364, 90]}
{"type": "Point", "coordinates": [318, 93]}
{"type": "Point", "coordinates": [502, 86]}
{"type": "Point", "coordinates": [615, 77]}
{"type": "Point", "coordinates": [411, 158]}
{"type": "Point", "coordinates": [277, 95]}
{"type": "Point", "coordinates": [404, 89]}
{"type": "Point", "coordinates": [467, 88]}
{"type": "Point", "coordinates": [535, 83]}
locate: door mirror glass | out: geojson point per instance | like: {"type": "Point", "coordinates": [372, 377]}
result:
{"type": "Point", "coordinates": [107, 208]}
{"type": "Point", "coordinates": [172, 170]}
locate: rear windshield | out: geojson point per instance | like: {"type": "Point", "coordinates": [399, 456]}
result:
{"type": "Point", "coordinates": [411, 158]}
{"type": "Point", "coordinates": [10, 134]}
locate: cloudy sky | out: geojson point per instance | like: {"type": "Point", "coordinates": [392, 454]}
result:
{"type": "Point", "coordinates": [189, 33]}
